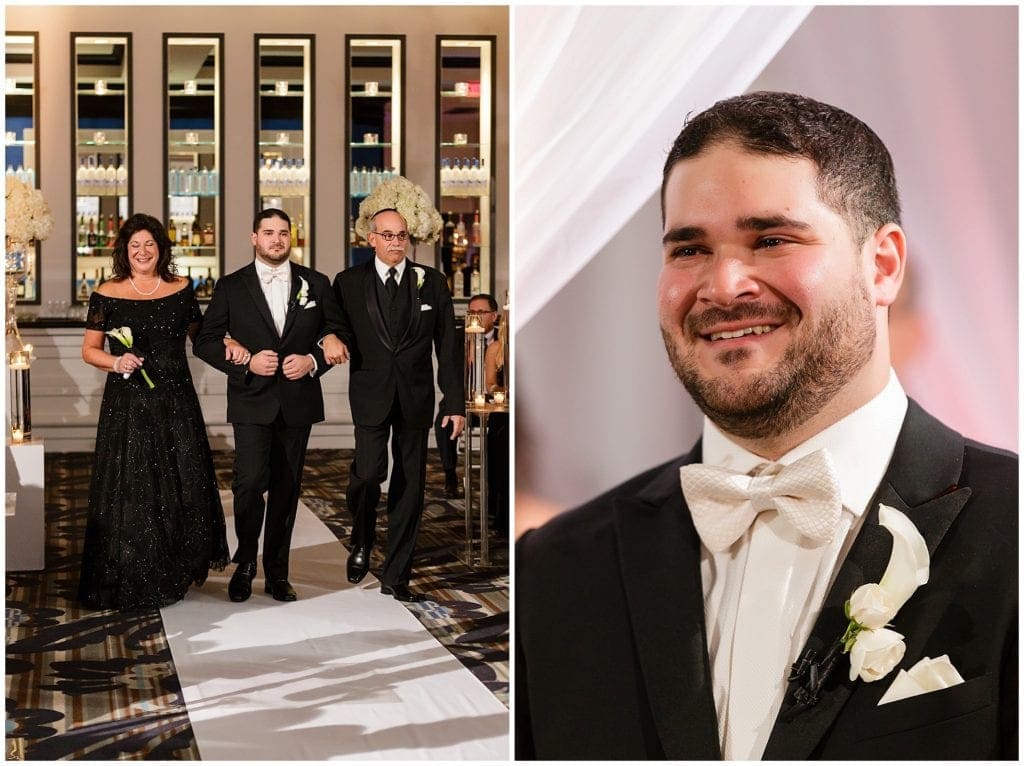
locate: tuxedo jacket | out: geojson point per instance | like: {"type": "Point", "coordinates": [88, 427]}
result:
{"type": "Point", "coordinates": [240, 309]}
{"type": "Point", "coordinates": [611, 648]}
{"type": "Point", "coordinates": [380, 367]}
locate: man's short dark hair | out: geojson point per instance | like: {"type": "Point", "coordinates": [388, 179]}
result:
{"type": "Point", "coordinates": [492, 304]}
{"type": "Point", "coordinates": [270, 212]}
{"type": "Point", "coordinates": [855, 171]}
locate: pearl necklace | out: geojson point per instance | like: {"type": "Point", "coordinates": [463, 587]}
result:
{"type": "Point", "coordinates": [157, 287]}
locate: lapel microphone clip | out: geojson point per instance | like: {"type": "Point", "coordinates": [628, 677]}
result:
{"type": "Point", "coordinates": [811, 675]}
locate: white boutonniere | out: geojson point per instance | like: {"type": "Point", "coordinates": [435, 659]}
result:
{"type": "Point", "coordinates": [420, 276]}
{"type": "Point", "coordinates": [302, 298]}
{"type": "Point", "coordinates": [123, 335]}
{"type": "Point", "coordinates": [874, 649]}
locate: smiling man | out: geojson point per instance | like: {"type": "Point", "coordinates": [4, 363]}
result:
{"type": "Point", "coordinates": [696, 611]}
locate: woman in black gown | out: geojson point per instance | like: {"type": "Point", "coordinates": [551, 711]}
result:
{"type": "Point", "coordinates": [155, 519]}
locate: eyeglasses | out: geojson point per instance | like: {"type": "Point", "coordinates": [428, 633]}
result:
{"type": "Point", "coordinates": [480, 313]}
{"type": "Point", "coordinates": [390, 236]}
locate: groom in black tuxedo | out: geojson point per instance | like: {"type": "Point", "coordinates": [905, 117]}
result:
{"type": "Point", "coordinates": [394, 314]}
{"type": "Point", "coordinates": [275, 311]}
{"type": "Point", "coordinates": [695, 611]}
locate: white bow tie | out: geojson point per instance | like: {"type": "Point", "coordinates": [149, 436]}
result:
{"type": "Point", "coordinates": [270, 275]}
{"type": "Point", "coordinates": [723, 503]}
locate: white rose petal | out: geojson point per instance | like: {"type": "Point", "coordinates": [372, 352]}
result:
{"type": "Point", "coordinates": [871, 606]}
{"type": "Point", "coordinates": [875, 653]}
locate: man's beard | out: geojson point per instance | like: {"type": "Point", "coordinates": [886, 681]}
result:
{"type": "Point", "coordinates": [275, 258]}
{"type": "Point", "coordinates": [811, 372]}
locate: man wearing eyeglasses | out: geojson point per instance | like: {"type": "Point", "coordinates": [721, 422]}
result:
{"type": "Point", "coordinates": [394, 313]}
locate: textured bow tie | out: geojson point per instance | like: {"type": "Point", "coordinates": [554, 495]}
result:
{"type": "Point", "coordinates": [272, 274]}
{"type": "Point", "coordinates": [723, 503]}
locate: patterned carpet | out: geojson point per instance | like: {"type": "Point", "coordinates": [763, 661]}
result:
{"type": "Point", "coordinates": [85, 684]}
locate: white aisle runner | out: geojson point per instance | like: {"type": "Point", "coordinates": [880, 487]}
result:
{"type": "Point", "coordinates": [343, 672]}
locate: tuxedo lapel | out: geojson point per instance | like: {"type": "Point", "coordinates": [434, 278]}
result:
{"type": "Point", "coordinates": [659, 558]}
{"type": "Point", "coordinates": [251, 280]}
{"type": "Point", "coordinates": [373, 307]}
{"type": "Point", "coordinates": [921, 483]}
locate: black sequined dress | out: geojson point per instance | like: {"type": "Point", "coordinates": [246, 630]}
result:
{"type": "Point", "coordinates": [155, 519]}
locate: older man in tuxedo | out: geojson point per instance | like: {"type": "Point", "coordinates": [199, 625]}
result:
{"type": "Point", "coordinates": [394, 314]}
{"type": "Point", "coordinates": [696, 611]}
{"type": "Point", "coordinates": [274, 311]}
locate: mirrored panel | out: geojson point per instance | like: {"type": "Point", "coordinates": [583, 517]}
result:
{"type": "Point", "coordinates": [374, 130]}
{"type": "Point", "coordinates": [194, 156]}
{"type": "Point", "coordinates": [21, 125]}
{"type": "Point", "coordinates": [465, 171]}
{"type": "Point", "coordinates": [101, 153]}
{"type": "Point", "coordinates": [284, 134]}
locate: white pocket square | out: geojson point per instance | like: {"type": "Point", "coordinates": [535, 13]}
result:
{"type": "Point", "coordinates": [309, 305]}
{"type": "Point", "coordinates": [426, 307]}
{"type": "Point", "coordinates": [927, 675]}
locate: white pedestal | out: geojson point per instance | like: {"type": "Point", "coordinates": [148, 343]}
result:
{"type": "Point", "coordinates": [26, 525]}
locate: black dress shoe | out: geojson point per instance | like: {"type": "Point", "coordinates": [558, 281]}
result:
{"type": "Point", "coordinates": [240, 587]}
{"type": "Point", "coordinates": [358, 564]}
{"type": "Point", "coordinates": [402, 593]}
{"type": "Point", "coordinates": [281, 590]}
{"type": "Point", "coordinates": [452, 488]}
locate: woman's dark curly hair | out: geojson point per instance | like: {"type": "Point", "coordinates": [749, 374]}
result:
{"type": "Point", "coordinates": [142, 222]}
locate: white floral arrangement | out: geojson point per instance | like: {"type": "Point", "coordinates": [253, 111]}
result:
{"type": "Point", "coordinates": [411, 202]}
{"type": "Point", "coordinates": [27, 216]}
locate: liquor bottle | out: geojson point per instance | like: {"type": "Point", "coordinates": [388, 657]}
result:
{"type": "Point", "coordinates": [83, 232]}
{"type": "Point", "coordinates": [300, 237]}
{"type": "Point", "coordinates": [172, 231]}
{"type": "Point", "coordinates": [474, 278]}
{"type": "Point", "coordinates": [122, 177]}
{"type": "Point", "coordinates": [90, 239]}
{"type": "Point", "coordinates": [197, 234]}
{"type": "Point", "coordinates": [460, 231]}
{"type": "Point", "coordinates": [449, 228]}
{"type": "Point", "coordinates": [183, 234]}
{"type": "Point", "coordinates": [110, 179]}
{"type": "Point", "coordinates": [352, 239]}
{"type": "Point", "coordinates": [459, 278]}
{"type": "Point", "coordinates": [200, 288]}
{"type": "Point", "coordinates": [208, 238]}
{"type": "Point", "coordinates": [83, 289]}
{"type": "Point", "coordinates": [476, 228]}
{"type": "Point", "coordinates": [81, 177]}
{"type": "Point", "coordinates": [103, 276]}
{"type": "Point", "coordinates": [109, 236]}
{"type": "Point", "coordinates": [295, 234]}
{"type": "Point", "coordinates": [210, 282]}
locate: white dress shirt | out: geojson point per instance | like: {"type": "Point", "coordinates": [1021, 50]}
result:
{"type": "Point", "coordinates": [382, 269]}
{"type": "Point", "coordinates": [751, 649]}
{"type": "Point", "coordinates": [276, 292]}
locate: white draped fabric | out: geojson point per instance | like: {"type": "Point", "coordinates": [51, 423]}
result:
{"type": "Point", "coordinates": [600, 92]}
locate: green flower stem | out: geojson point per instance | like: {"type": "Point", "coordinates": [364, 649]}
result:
{"type": "Point", "coordinates": [146, 377]}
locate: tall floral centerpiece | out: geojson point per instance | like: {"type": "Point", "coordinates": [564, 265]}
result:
{"type": "Point", "coordinates": [27, 219]}
{"type": "Point", "coordinates": [411, 202]}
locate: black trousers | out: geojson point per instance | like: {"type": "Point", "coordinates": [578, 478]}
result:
{"type": "Point", "coordinates": [447, 448]}
{"type": "Point", "coordinates": [497, 471]}
{"type": "Point", "coordinates": [405, 492]}
{"type": "Point", "coordinates": [268, 458]}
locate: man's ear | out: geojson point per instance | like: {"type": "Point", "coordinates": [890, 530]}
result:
{"type": "Point", "coordinates": [887, 250]}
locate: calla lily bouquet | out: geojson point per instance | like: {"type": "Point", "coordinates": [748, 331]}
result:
{"type": "Point", "coordinates": [124, 336]}
{"type": "Point", "coordinates": [874, 649]}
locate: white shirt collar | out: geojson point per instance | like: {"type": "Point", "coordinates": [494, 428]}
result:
{"type": "Point", "coordinates": [861, 445]}
{"type": "Point", "coordinates": [382, 269]}
{"type": "Point", "coordinates": [264, 268]}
